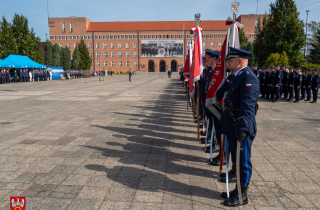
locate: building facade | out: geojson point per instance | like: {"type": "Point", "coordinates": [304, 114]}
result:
{"type": "Point", "coordinates": [151, 46]}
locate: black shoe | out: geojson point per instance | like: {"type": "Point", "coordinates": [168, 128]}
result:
{"type": "Point", "coordinates": [296, 101]}
{"type": "Point", "coordinates": [231, 179]}
{"type": "Point", "coordinates": [215, 158]}
{"type": "Point", "coordinates": [202, 133]}
{"type": "Point", "coordinates": [275, 101]}
{"type": "Point", "coordinates": [231, 193]}
{"type": "Point", "coordinates": [313, 102]}
{"type": "Point", "coordinates": [214, 149]}
{"type": "Point", "coordinates": [203, 140]}
{"type": "Point", "coordinates": [234, 200]}
{"type": "Point", "coordinates": [216, 161]}
{"type": "Point", "coordinates": [306, 100]}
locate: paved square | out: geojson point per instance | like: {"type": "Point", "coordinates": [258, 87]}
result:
{"type": "Point", "coordinates": [112, 144]}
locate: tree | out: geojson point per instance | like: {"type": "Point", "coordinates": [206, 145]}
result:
{"type": "Point", "coordinates": [259, 42]}
{"type": "Point", "coordinates": [7, 42]}
{"type": "Point", "coordinates": [277, 59]}
{"type": "Point", "coordinates": [27, 42]}
{"type": "Point", "coordinates": [66, 58]}
{"type": "Point", "coordinates": [56, 55]}
{"type": "Point", "coordinates": [75, 58]}
{"type": "Point", "coordinates": [249, 47]}
{"type": "Point", "coordinates": [85, 59]}
{"type": "Point", "coordinates": [283, 31]}
{"type": "Point", "coordinates": [314, 56]}
{"type": "Point", "coordinates": [62, 57]}
{"type": "Point", "coordinates": [242, 38]}
{"type": "Point", "coordinates": [48, 53]}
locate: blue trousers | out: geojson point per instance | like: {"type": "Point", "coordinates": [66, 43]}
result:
{"type": "Point", "coordinates": [303, 93]}
{"type": "Point", "coordinates": [277, 92]}
{"type": "Point", "coordinates": [245, 157]}
{"type": "Point", "coordinates": [309, 93]}
{"type": "Point", "coordinates": [297, 93]}
{"type": "Point", "coordinates": [315, 94]}
{"type": "Point", "coordinates": [290, 92]}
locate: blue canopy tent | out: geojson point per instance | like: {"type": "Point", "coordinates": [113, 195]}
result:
{"type": "Point", "coordinates": [21, 61]}
{"type": "Point", "coordinates": [4, 64]}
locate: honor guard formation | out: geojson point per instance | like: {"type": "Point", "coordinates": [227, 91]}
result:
{"type": "Point", "coordinates": [233, 129]}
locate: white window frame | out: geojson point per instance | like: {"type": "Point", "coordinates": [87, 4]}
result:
{"type": "Point", "coordinates": [135, 45]}
{"type": "Point", "coordinates": [105, 45]}
{"type": "Point", "coordinates": [120, 54]}
{"type": "Point", "coordinates": [98, 63]}
{"type": "Point", "coordinates": [135, 54]}
{"type": "Point", "coordinates": [120, 63]}
{"type": "Point", "coordinates": [204, 44]}
{"type": "Point", "coordinates": [105, 63]}
{"type": "Point", "coordinates": [220, 44]}
{"type": "Point", "coordinates": [127, 54]}
{"type": "Point", "coordinates": [135, 63]}
{"type": "Point", "coordinates": [90, 53]}
{"type": "Point", "coordinates": [212, 45]}
{"type": "Point", "coordinates": [112, 63]}
{"type": "Point", "coordinates": [119, 45]}
{"type": "Point", "coordinates": [112, 45]}
{"type": "Point", "coordinates": [71, 30]}
{"type": "Point", "coordinates": [63, 28]}
{"type": "Point", "coordinates": [97, 54]}
{"type": "Point", "coordinates": [74, 45]}
{"type": "Point", "coordinates": [112, 54]}
{"type": "Point", "coordinates": [127, 45]}
{"type": "Point", "coordinates": [105, 54]}
{"type": "Point", "coordinates": [90, 45]}
{"type": "Point", "coordinates": [97, 45]}
{"type": "Point", "coordinates": [128, 63]}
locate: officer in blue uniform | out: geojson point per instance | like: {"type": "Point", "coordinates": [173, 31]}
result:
{"type": "Point", "coordinates": [277, 80]}
{"type": "Point", "coordinates": [8, 76]}
{"type": "Point", "coordinates": [303, 85]}
{"type": "Point", "coordinates": [315, 86]}
{"type": "Point", "coordinates": [266, 83]}
{"type": "Point", "coordinates": [271, 87]}
{"type": "Point", "coordinates": [283, 72]}
{"type": "Point", "coordinates": [262, 83]}
{"type": "Point", "coordinates": [291, 80]}
{"type": "Point", "coordinates": [242, 97]}
{"type": "Point", "coordinates": [285, 82]}
{"type": "Point", "coordinates": [308, 85]}
{"type": "Point", "coordinates": [20, 75]}
{"type": "Point", "coordinates": [297, 85]}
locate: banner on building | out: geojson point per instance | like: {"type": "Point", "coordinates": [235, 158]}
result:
{"type": "Point", "coordinates": [162, 48]}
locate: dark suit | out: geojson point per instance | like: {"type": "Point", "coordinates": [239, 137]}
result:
{"type": "Point", "coordinates": [314, 85]}
{"type": "Point", "coordinates": [297, 86]}
{"type": "Point", "coordinates": [308, 83]}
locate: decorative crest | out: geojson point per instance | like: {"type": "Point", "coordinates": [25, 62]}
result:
{"type": "Point", "coordinates": [235, 8]}
{"type": "Point", "coordinates": [197, 18]}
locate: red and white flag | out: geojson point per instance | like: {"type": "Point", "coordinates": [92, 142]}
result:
{"type": "Point", "coordinates": [197, 55]}
{"type": "Point", "coordinates": [219, 73]}
{"type": "Point", "coordinates": [188, 59]}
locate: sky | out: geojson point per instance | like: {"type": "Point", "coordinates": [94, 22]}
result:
{"type": "Point", "coordinates": [139, 10]}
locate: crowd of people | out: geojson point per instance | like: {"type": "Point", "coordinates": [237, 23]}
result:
{"type": "Point", "coordinates": [24, 75]}
{"type": "Point", "coordinates": [289, 82]}
{"type": "Point", "coordinates": [73, 74]}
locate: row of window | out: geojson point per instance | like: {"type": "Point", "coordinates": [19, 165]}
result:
{"type": "Point", "coordinates": [168, 36]}
{"type": "Point", "coordinates": [112, 45]}
{"type": "Point", "coordinates": [64, 28]}
{"type": "Point", "coordinates": [105, 54]}
{"type": "Point", "coordinates": [135, 63]}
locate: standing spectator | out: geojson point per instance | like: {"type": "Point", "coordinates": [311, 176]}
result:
{"type": "Point", "coordinates": [3, 80]}
{"type": "Point", "coordinates": [15, 75]}
{"type": "Point", "coordinates": [169, 73]}
{"type": "Point", "coordinates": [8, 76]}
{"type": "Point", "coordinates": [111, 73]}
{"type": "Point", "coordinates": [20, 75]}
{"type": "Point", "coordinates": [30, 75]}
{"type": "Point", "coordinates": [130, 75]}
{"type": "Point", "coordinates": [50, 74]}
{"type": "Point", "coordinates": [99, 75]}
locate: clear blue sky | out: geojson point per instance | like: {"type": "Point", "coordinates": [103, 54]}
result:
{"type": "Point", "coordinates": [138, 10]}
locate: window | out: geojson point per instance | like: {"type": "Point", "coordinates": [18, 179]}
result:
{"type": "Point", "coordinates": [99, 37]}
{"type": "Point", "coordinates": [168, 36]}
{"type": "Point", "coordinates": [212, 44]}
{"type": "Point", "coordinates": [144, 36]}
{"type": "Point", "coordinates": [175, 36]}
{"type": "Point", "coordinates": [98, 63]}
{"type": "Point", "coordinates": [90, 45]}
{"type": "Point", "coordinates": [135, 63]}
{"type": "Point", "coordinates": [112, 63]}
{"type": "Point", "coordinates": [121, 36]}
{"type": "Point", "coordinates": [95, 37]}
{"type": "Point", "coordinates": [90, 53]}
{"type": "Point", "coordinates": [105, 54]}
{"type": "Point", "coordinates": [112, 45]}
{"type": "Point", "coordinates": [63, 27]}
{"type": "Point", "coordinates": [98, 55]}
{"type": "Point", "coordinates": [128, 63]}
{"type": "Point", "coordinates": [210, 36]}
{"type": "Point", "coordinates": [54, 37]}
{"type": "Point", "coordinates": [204, 44]}
{"type": "Point", "coordinates": [70, 37]}
{"type": "Point", "coordinates": [88, 37]}
{"type": "Point", "coordinates": [68, 45]}
{"type": "Point", "coordinates": [135, 54]}
{"type": "Point", "coordinates": [74, 45]}
{"type": "Point", "coordinates": [218, 36]}
{"type": "Point", "coordinates": [120, 54]}
{"type": "Point", "coordinates": [127, 45]}
{"type": "Point", "coordinates": [136, 36]}
{"type": "Point", "coordinates": [148, 36]}
{"type": "Point", "coordinates": [127, 54]}
{"type": "Point", "coordinates": [206, 36]}
{"type": "Point", "coordinates": [119, 45]}
{"type": "Point", "coordinates": [97, 45]}
{"type": "Point", "coordinates": [60, 44]}
{"type": "Point", "coordinates": [171, 36]}
{"type": "Point", "coordinates": [156, 36]}
{"type": "Point", "coordinates": [125, 36]}
{"type": "Point", "coordinates": [104, 45]}
{"type": "Point", "coordinates": [220, 44]}
{"type": "Point", "coordinates": [120, 63]}
{"type": "Point", "coordinates": [135, 45]}
{"type": "Point", "coordinates": [105, 63]}
{"type": "Point", "coordinates": [222, 35]}
{"type": "Point", "coordinates": [107, 36]}
{"type": "Point", "coordinates": [159, 36]}
{"type": "Point", "coordinates": [254, 36]}
{"type": "Point", "coordinates": [110, 36]}
{"type": "Point", "coordinates": [151, 36]}
{"type": "Point", "coordinates": [112, 54]}
{"type": "Point", "coordinates": [246, 35]}
{"type": "Point", "coordinates": [70, 27]}
{"type": "Point", "coordinates": [102, 36]}
{"type": "Point", "coordinates": [249, 35]}
{"type": "Point", "coordinates": [91, 36]}
{"type": "Point", "coordinates": [140, 36]}
{"type": "Point", "coordinates": [117, 36]}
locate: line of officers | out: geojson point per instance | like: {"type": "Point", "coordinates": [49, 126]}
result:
{"type": "Point", "coordinates": [291, 82]}
{"type": "Point", "coordinates": [74, 74]}
{"type": "Point", "coordinates": [25, 75]}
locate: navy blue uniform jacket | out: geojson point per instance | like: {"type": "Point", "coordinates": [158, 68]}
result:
{"type": "Point", "coordinates": [244, 94]}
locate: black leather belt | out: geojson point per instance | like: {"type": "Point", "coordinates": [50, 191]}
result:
{"type": "Point", "coordinates": [231, 109]}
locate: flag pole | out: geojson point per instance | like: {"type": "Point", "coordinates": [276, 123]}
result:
{"type": "Point", "coordinates": [198, 110]}
{"type": "Point", "coordinates": [193, 108]}
{"type": "Point", "coordinates": [187, 98]}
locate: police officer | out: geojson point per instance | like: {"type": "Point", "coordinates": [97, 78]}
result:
{"type": "Point", "coordinates": [242, 97]}
{"type": "Point", "coordinates": [2, 74]}
{"type": "Point", "coordinates": [262, 83]}
{"type": "Point", "coordinates": [297, 85]}
{"type": "Point", "coordinates": [285, 83]}
{"type": "Point", "coordinates": [20, 75]}
{"type": "Point", "coordinates": [266, 83]}
{"type": "Point", "coordinates": [303, 85]}
{"type": "Point", "coordinates": [277, 80]}
{"type": "Point", "coordinates": [308, 85]}
{"type": "Point", "coordinates": [315, 86]}
{"type": "Point", "coordinates": [271, 87]}
{"type": "Point", "coordinates": [8, 76]}
{"type": "Point", "coordinates": [291, 79]}
{"type": "Point", "coordinates": [282, 88]}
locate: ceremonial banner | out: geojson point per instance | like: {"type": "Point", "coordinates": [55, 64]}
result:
{"type": "Point", "coordinates": [197, 55]}
{"type": "Point", "coordinates": [219, 74]}
{"type": "Point", "coordinates": [188, 59]}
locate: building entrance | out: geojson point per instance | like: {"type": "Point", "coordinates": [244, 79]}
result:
{"type": "Point", "coordinates": [162, 66]}
{"type": "Point", "coordinates": [173, 65]}
{"type": "Point", "coordinates": [151, 66]}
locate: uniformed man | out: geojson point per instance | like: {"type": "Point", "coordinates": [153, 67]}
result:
{"type": "Point", "coordinates": [308, 85]}
{"type": "Point", "coordinates": [20, 76]}
{"type": "Point", "coordinates": [8, 76]}
{"type": "Point", "coordinates": [2, 77]}
{"type": "Point", "coordinates": [271, 87]}
{"type": "Point", "coordinates": [277, 80]}
{"type": "Point", "coordinates": [267, 84]}
{"type": "Point", "coordinates": [262, 83]}
{"type": "Point", "coordinates": [285, 82]}
{"type": "Point", "coordinates": [283, 72]}
{"type": "Point", "coordinates": [291, 79]}
{"type": "Point", "coordinates": [303, 85]}
{"type": "Point", "coordinates": [315, 86]}
{"type": "Point", "coordinates": [242, 97]}
{"type": "Point", "coordinates": [297, 85]}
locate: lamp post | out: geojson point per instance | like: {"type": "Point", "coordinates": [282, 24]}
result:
{"type": "Point", "coordinates": [235, 8]}
{"type": "Point", "coordinates": [305, 48]}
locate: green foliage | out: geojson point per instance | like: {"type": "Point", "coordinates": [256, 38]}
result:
{"type": "Point", "coordinates": [56, 55]}
{"type": "Point", "coordinates": [311, 66]}
{"type": "Point", "coordinates": [66, 58]}
{"type": "Point", "coordinates": [276, 58]}
{"type": "Point", "coordinates": [259, 42]}
{"type": "Point", "coordinates": [62, 57]}
{"type": "Point", "coordinates": [85, 59]}
{"type": "Point", "coordinates": [27, 42]}
{"type": "Point", "coordinates": [314, 55]}
{"type": "Point", "coordinates": [75, 58]}
{"type": "Point", "coordinates": [7, 42]}
{"type": "Point", "coordinates": [283, 31]}
{"type": "Point", "coordinates": [242, 37]}
{"type": "Point", "coordinates": [249, 47]}
{"type": "Point", "coordinates": [48, 53]}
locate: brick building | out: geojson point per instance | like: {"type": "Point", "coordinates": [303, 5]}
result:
{"type": "Point", "coordinates": [118, 46]}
